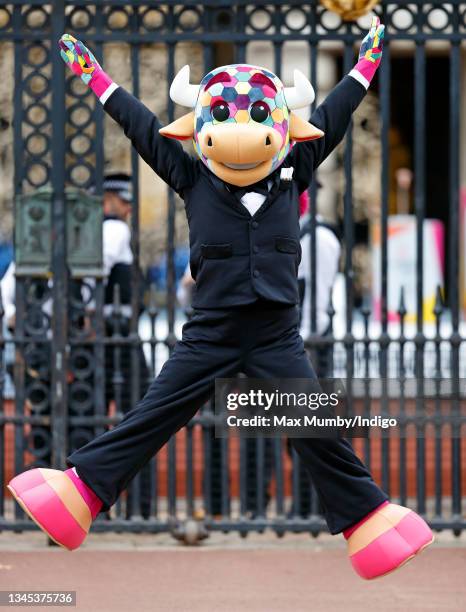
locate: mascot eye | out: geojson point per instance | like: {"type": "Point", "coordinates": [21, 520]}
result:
{"type": "Point", "coordinates": [220, 111]}
{"type": "Point", "coordinates": [259, 112]}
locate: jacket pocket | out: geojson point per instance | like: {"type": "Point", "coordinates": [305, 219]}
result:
{"type": "Point", "coordinates": [286, 245]}
{"type": "Point", "coordinates": [216, 251]}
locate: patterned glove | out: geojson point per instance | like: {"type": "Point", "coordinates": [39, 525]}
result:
{"type": "Point", "coordinates": [370, 54]}
{"type": "Point", "coordinates": [83, 63]}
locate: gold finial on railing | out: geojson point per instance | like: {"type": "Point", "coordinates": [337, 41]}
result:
{"type": "Point", "coordinates": [349, 10]}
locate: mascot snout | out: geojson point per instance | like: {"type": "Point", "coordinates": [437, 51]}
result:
{"type": "Point", "coordinates": [240, 144]}
{"type": "Point", "coordinates": [240, 153]}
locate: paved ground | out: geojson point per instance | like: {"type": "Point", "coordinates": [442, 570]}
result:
{"type": "Point", "coordinates": [227, 574]}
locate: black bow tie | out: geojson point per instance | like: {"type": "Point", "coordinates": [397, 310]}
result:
{"type": "Point", "coordinates": [259, 187]}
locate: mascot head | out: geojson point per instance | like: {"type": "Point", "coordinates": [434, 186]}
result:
{"type": "Point", "coordinates": [242, 124]}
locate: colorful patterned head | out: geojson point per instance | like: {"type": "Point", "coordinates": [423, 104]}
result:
{"type": "Point", "coordinates": [241, 126]}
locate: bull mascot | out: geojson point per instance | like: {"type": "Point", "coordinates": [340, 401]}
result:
{"type": "Point", "coordinates": [254, 157]}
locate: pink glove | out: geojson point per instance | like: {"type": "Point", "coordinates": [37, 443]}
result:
{"type": "Point", "coordinates": [83, 63]}
{"type": "Point", "coordinates": [370, 54]}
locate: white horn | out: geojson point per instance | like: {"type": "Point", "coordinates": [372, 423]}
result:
{"type": "Point", "coordinates": [181, 91]}
{"type": "Point", "coordinates": [302, 94]}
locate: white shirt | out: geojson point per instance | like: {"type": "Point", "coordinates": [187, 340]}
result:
{"type": "Point", "coordinates": [253, 201]}
{"type": "Point", "coordinates": [116, 243]}
{"type": "Point", "coordinates": [328, 255]}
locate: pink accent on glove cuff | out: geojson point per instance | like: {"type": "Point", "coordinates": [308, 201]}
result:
{"type": "Point", "coordinates": [348, 532]}
{"type": "Point", "coordinates": [100, 82]}
{"type": "Point", "coordinates": [367, 69]}
{"type": "Point", "coordinates": [91, 499]}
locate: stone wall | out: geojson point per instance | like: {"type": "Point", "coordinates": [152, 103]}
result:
{"type": "Point", "coordinates": [6, 140]}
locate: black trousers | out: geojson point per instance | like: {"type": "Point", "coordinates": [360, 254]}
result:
{"type": "Point", "coordinates": [123, 366]}
{"type": "Point", "coordinates": [321, 358]}
{"type": "Point", "coordinates": [262, 341]}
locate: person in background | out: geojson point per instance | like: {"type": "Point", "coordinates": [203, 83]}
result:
{"type": "Point", "coordinates": [328, 250]}
{"type": "Point", "coordinates": [116, 239]}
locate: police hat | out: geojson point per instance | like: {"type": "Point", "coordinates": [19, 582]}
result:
{"type": "Point", "coordinates": [120, 184]}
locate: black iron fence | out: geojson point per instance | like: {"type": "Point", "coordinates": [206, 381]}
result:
{"type": "Point", "coordinates": [63, 392]}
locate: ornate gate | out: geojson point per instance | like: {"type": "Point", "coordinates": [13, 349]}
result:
{"type": "Point", "coordinates": [59, 370]}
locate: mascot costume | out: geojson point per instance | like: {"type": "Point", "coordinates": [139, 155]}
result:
{"type": "Point", "coordinates": [254, 157]}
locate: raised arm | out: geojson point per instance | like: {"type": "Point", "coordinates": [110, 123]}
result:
{"type": "Point", "coordinates": [333, 116]}
{"type": "Point", "coordinates": [165, 156]}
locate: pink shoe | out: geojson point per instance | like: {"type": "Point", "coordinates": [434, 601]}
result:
{"type": "Point", "coordinates": [58, 502]}
{"type": "Point", "coordinates": [386, 539]}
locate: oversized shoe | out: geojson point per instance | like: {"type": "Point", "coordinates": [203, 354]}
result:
{"type": "Point", "coordinates": [386, 539]}
{"type": "Point", "coordinates": [58, 502]}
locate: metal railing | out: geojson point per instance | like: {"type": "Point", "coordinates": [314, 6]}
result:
{"type": "Point", "coordinates": [65, 395]}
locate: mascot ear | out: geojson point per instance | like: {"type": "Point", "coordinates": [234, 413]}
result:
{"type": "Point", "coordinates": [181, 129]}
{"type": "Point", "coordinates": [301, 130]}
